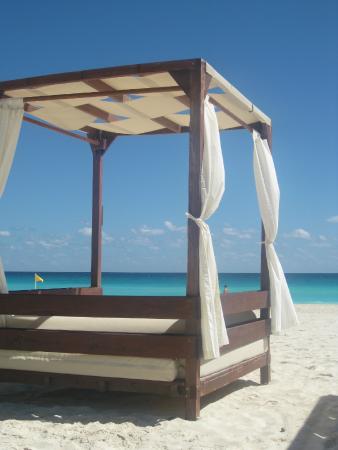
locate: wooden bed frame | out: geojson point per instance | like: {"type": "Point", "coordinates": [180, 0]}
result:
{"type": "Point", "coordinates": [192, 76]}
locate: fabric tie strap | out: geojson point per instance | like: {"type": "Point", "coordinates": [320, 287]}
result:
{"type": "Point", "coordinates": [198, 220]}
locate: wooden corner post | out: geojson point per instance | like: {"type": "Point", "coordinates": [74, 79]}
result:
{"type": "Point", "coordinates": [98, 150]}
{"type": "Point", "coordinates": [199, 82]}
{"type": "Point", "coordinates": [265, 372]}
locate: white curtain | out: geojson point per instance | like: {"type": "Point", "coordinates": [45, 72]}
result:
{"type": "Point", "coordinates": [11, 113]}
{"type": "Point", "coordinates": [214, 333]}
{"type": "Point", "coordinates": [283, 314]}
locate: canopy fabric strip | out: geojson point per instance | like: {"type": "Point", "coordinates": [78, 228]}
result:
{"type": "Point", "coordinates": [11, 113]}
{"type": "Point", "coordinates": [283, 314]}
{"type": "Point", "coordinates": [214, 333]}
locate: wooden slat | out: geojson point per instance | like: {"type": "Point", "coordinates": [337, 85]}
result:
{"type": "Point", "coordinates": [172, 388]}
{"type": "Point", "coordinates": [167, 123]}
{"type": "Point", "coordinates": [107, 72]}
{"type": "Point", "coordinates": [240, 335]}
{"type": "Point", "coordinates": [244, 301]}
{"type": "Point", "coordinates": [224, 377]}
{"type": "Point", "coordinates": [98, 306]}
{"type": "Point", "coordinates": [61, 291]}
{"type": "Point", "coordinates": [97, 112]}
{"type": "Point", "coordinates": [230, 114]}
{"type": "Point", "coordinates": [99, 343]}
{"type": "Point", "coordinates": [100, 85]}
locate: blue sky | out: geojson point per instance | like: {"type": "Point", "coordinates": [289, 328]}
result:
{"type": "Point", "coordinates": [281, 55]}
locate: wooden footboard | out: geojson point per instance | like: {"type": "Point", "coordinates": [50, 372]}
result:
{"type": "Point", "coordinates": [185, 345]}
{"type": "Point", "coordinates": [174, 346]}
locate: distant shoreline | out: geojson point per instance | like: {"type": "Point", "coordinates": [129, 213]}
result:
{"type": "Point", "coordinates": [305, 288]}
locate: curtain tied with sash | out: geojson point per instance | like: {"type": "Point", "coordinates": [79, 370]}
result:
{"type": "Point", "coordinates": [214, 333]}
{"type": "Point", "coordinates": [283, 314]}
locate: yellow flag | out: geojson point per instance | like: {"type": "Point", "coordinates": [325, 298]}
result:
{"type": "Point", "coordinates": [38, 278]}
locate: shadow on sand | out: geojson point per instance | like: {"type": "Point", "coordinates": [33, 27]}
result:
{"type": "Point", "coordinates": [27, 402]}
{"type": "Point", "coordinates": [320, 431]}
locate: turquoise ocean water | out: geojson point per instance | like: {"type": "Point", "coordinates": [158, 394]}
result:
{"type": "Point", "coordinates": [305, 288]}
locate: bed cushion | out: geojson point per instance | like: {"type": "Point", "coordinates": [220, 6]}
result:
{"type": "Point", "coordinates": [117, 325]}
{"type": "Point", "coordinates": [158, 369]}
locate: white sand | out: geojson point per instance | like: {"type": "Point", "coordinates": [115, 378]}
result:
{"type": "Point", "coordinates": [298, 410]}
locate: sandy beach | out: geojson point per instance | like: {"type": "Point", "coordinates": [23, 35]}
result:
{"type": "Point", "coordinates": [297, 411]}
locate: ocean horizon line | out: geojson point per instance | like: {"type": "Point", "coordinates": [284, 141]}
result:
{"type": "Point", "coordinates": [161, 272]}
{"type": "Point", "coordinates": [304, 287]}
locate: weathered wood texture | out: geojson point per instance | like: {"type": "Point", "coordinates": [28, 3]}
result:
{"type": "Point", "coordinates": [98, 306]}
{"type": "Point", "coordinates": [220, 379]}
{"type": "Point", "coordinates": [99, 343]}
{"type": "Point", "coordinates": [174, 388]}
{"type": "Point", "coordinates": [244, 301]}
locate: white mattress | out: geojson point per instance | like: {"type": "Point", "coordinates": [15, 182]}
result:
{"type": "Point", "coordinates": [159, 369]}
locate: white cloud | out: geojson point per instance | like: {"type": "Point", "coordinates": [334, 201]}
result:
{"type": "Point", "coordinates": [299, 233]}
{"type": "Point", "coordinates": [322, 238]}
{"type": "Point", "coordinates": [230, 231]}
{"type": "Point", "coordinates": [145, 230]}
{"type": "Point", "coordinates": [5, 233]}
{"type": "Point", "coordinates": [173, 227]}
{"type": "Point", "coordinates": [85, 231]}
{"type": "Point", "coordinates": [52, 243]}
{"type": "Point", "coordinates": [333, 219]}
{"type": "Point", "coordinates": [144, 241]}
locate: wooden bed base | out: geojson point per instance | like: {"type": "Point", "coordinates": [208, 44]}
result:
{"type": "Point", "coordinates": [185, 346]}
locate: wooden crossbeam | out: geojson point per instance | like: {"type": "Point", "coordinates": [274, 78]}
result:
{"type": "Point", "coordinates": [97, 112]}
{"type": "Point", "coordinates": [100, 85]}
{"type": "Point", "coordinates": [230, 114]}
{"type": "Point", "coordinates": [167, 123]}
{"type": "Point", "coordinates": [60, 130]}
{"type": "Point", "coordinates": [107, 93]}
{"type": "Point", "coordinates": [99, 343]}
{"type": "Point", "coordinates": [107, 72]}
{"type": "Point", "coordinates": [95, 305]}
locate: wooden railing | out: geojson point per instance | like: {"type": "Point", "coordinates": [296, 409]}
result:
{"type": "Point", "coordinates": [98, 306]}
{"type": "Point", "coordinates": [244, 301]}
{"type": "Point", "coordinates": [178, 345]}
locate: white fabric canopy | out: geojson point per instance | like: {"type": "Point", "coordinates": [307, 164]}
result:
{"type": "Point", "coordinates": [214, 333]}
{"type": "Point", "coordinates": [11, 113]}
{"type": "Point", "coordinates": [283, 314]}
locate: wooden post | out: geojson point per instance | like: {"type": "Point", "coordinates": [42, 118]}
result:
{"type": "Point", "coordinates": [265, 372]}
{"type": "Point", "coordinates": [97, 208]}
{"type": "Point", "coordinates": [198, 88]}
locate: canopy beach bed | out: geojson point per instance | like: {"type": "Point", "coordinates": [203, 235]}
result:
{"type": "Point", "coordinates": [183, 346]}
